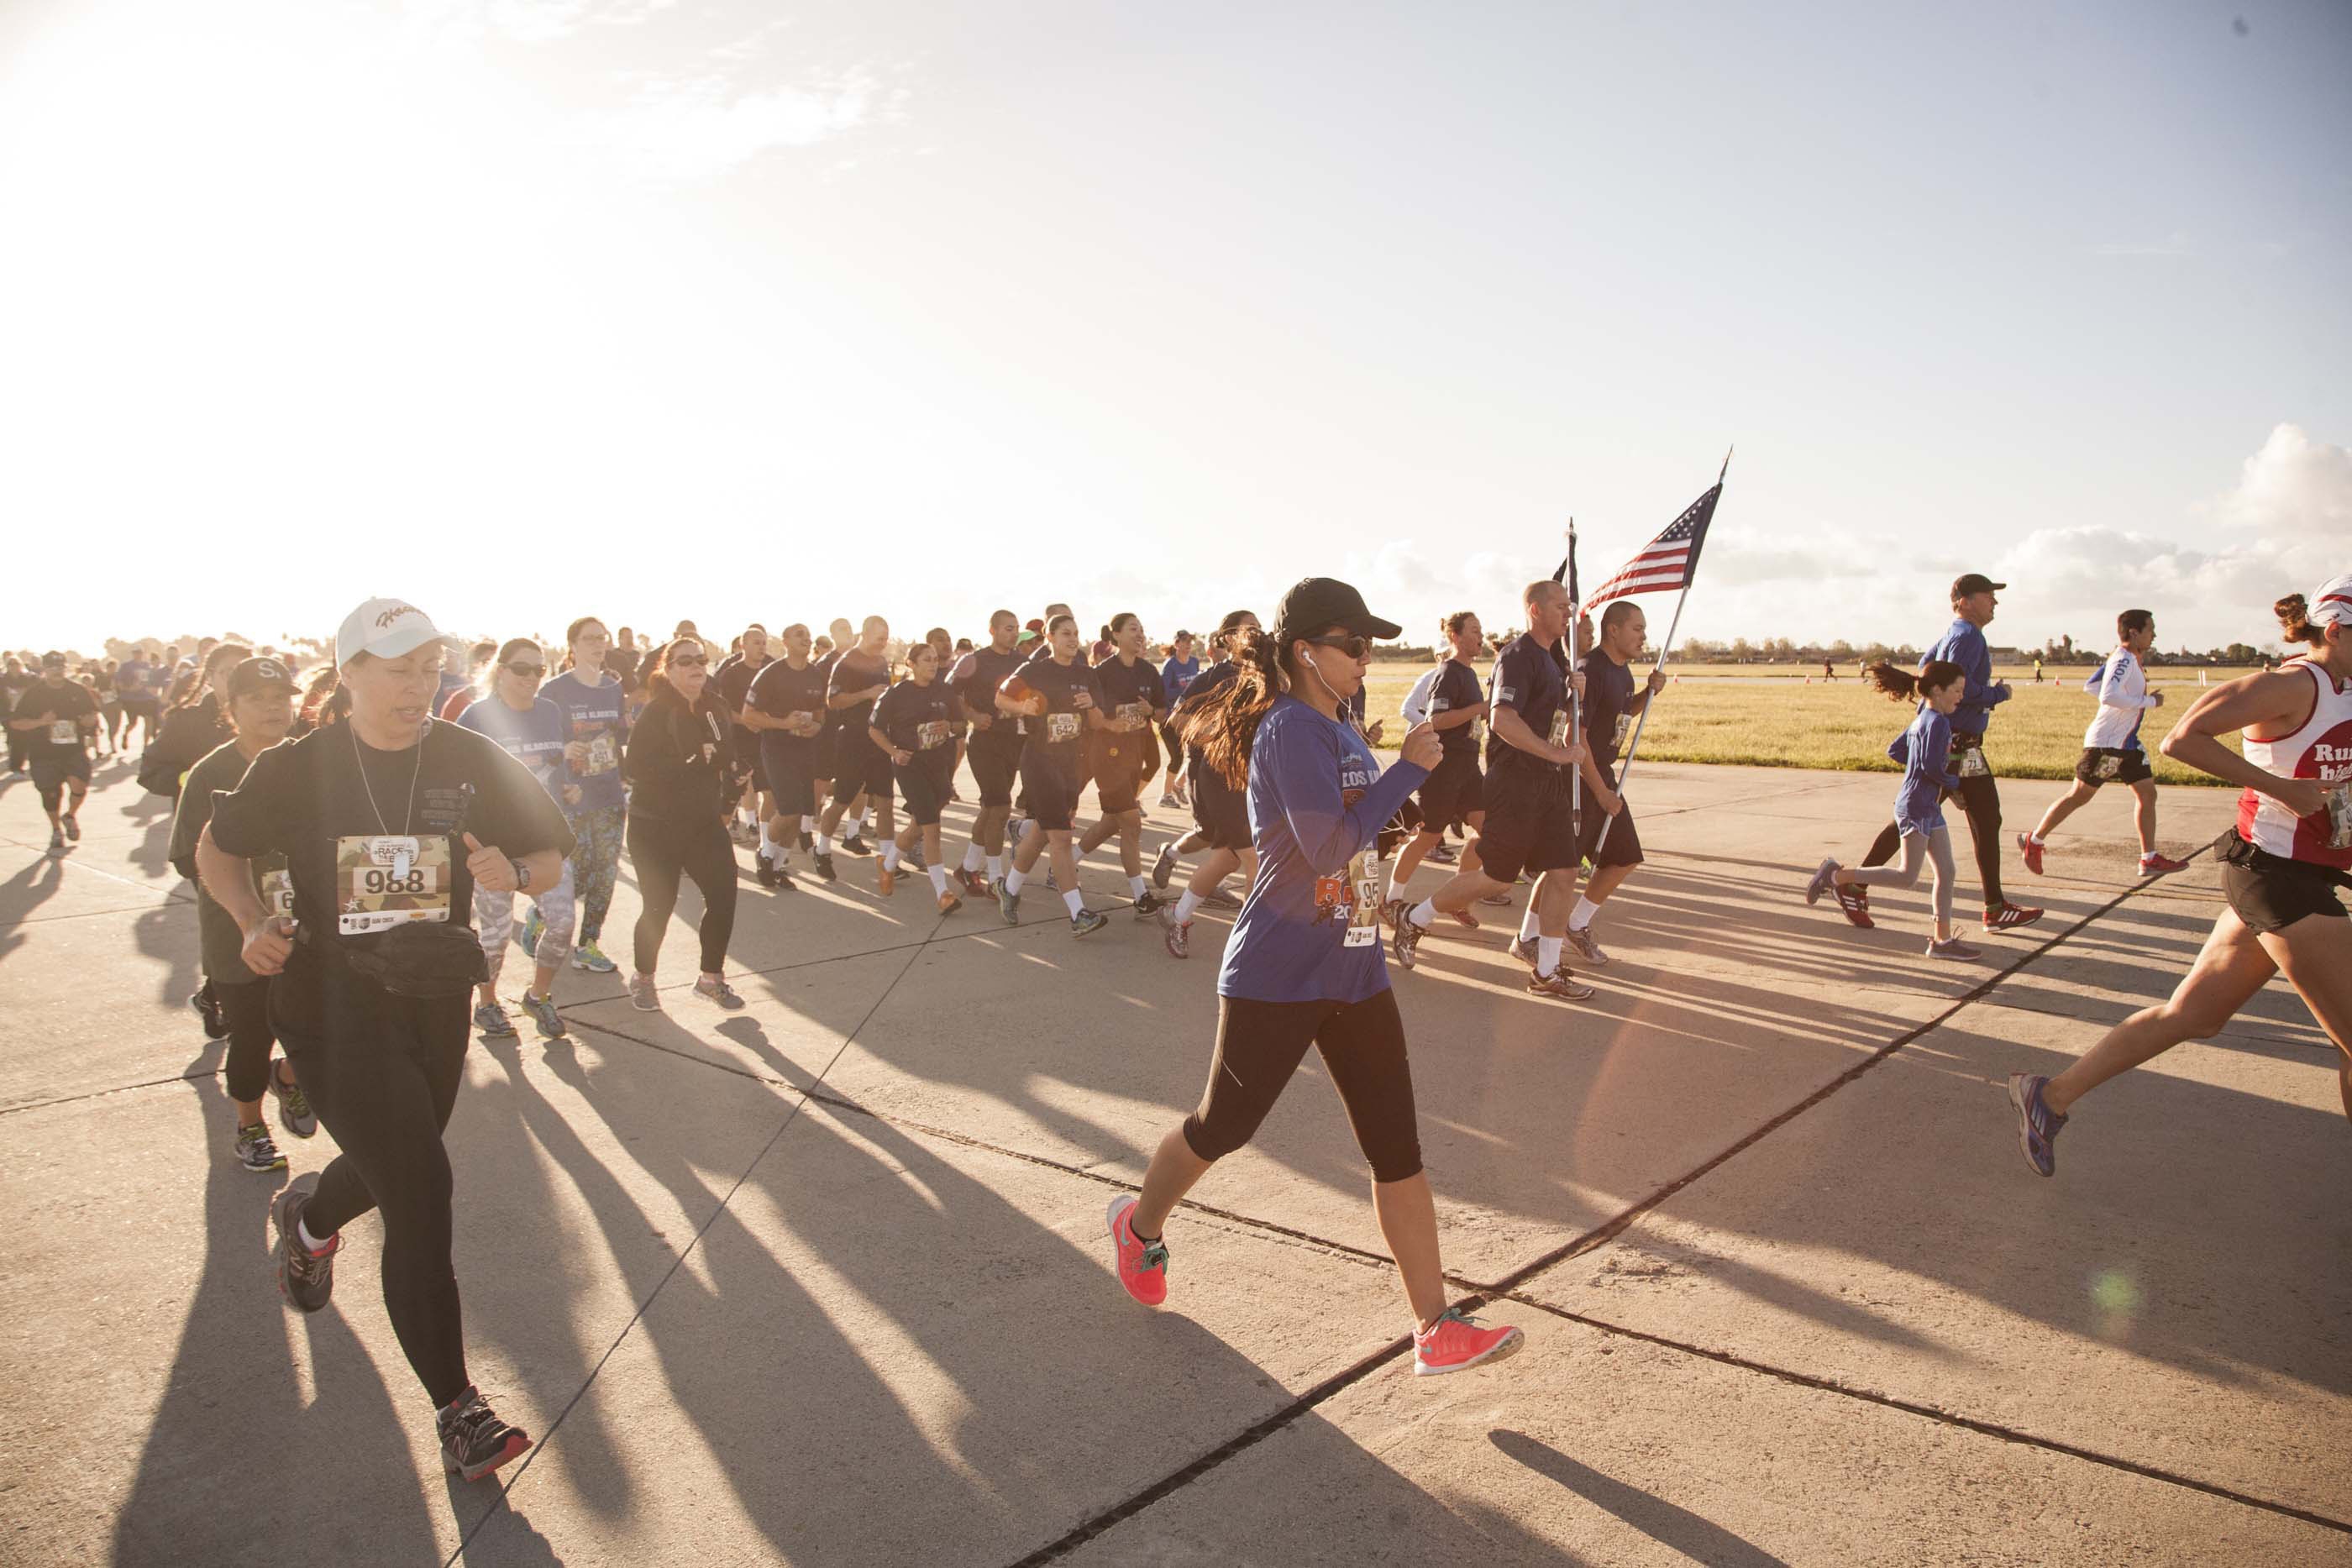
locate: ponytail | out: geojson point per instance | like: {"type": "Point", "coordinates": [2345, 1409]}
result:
{"type": "Point", "coordinates": [1225, 727]}
{"type": "Point", "coordinates": [2294, 621]}
{"type": "Point", "coordinates": [1903, 686]}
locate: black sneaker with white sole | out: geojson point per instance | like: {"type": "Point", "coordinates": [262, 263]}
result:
{"type": "Point", "coordinates": [305, 1279]}
{"type": "Point", "coordinates": [474, 1441]}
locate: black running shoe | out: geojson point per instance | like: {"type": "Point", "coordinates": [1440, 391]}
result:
{"type": "Point", "coordinates": [304, 1278]}
{"type": "Point", "coordinates": [764, 870]}
{"type": "Point", "coordinates": [1153, 907]}
{"type": "Point", "coordinates": [808, 840]}
{"type": "Point", "coordinates": [73, 826]}
{"type": "Point", "coordinates": [474, 1441]}
{"type": "Point", "coordinates": [785, 883]}
{"type": "Point", "coordinates": [208, 1009]}
{"type": "Point", "coordinates": [855, 844]}
{"type": "Point", "coordinates": [824, 867]}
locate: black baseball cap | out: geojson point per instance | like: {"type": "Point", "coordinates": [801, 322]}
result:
{"type": "Point", "coordinates": [258, 675]}
{"type": "Point", "coordinates": [53, 660]}
{"type": "Point", "coordinates": [1970, 583]}
{"type": "Point", "coordinates": [1315, 603]}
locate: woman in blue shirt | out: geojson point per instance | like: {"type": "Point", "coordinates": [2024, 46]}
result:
{"type": "Point", "coordinates": [534, 731]}
{"type": "Point", "coordinates": [1304, 966]}
{"type": "Point", "coordinates": [1183, 666]}
{"type": "Point", "coordinates": [1925, 750]}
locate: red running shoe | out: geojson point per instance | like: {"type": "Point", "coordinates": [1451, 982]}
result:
{"type": "Point", "coordinates": [2010, 914]}
{"type": "Point", "coordinates": [1142, 1270]}
{"type": "Point", "coordinates": [1853, 899]}
{"type": "Point", "coordinates": [2159, 865]}
{"type": "Point", "coordinates": [2032, 851]}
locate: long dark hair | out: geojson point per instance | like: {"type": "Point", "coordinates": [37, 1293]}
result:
{"type": "Point", "coordinates": [224, 656]}
{"type": "Point", "coordinates": [1225, 727]}
{"type": "Point", "coordinates": [1904, 686]}
{"type": "Point", "coordinates": [324, 701]}
{"type": "Point", "coordinates": [657, 678]}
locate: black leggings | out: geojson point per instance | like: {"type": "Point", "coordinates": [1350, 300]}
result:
{"type": "Point", "coordinates": [1261, 1044]}
{"type": "Point", "coordinates": [1980, 799]}
{"type": "Point", "coordinates": [246, 1005]}
{"type": "Point", "coordinates": [383, 1072]}
{"type": "Point", "coordinates": [664, 851]}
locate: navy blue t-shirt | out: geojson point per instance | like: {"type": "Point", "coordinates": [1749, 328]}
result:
{"type": "Point", "coordinates": [1129, 691]}
{"type": "Point", "coordinates": [1056, 733]}
{"type": "Point", "coordinates": [1528, 678]}
{"type": "Point", "coordinates": [1311, 928]}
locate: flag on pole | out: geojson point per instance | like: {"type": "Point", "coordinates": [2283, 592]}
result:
{"type": "Point", "coordinates": [1668, 562]}
{"type": "Point", "coordinates": [1566, 575]}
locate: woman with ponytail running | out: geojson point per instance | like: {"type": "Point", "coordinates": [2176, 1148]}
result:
{"type": "Point", "coordinates": [1305, 965]}
{"type": "Point", "coordinates": [2282, 865]}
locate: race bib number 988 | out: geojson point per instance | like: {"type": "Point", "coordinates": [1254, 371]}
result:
{"type": "Point", "coordinates": [387, 880]}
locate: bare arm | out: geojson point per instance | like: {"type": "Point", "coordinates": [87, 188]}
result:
{"type": "Point", "coordinates": [2276, 700]}
{"type": "Point", "coordinates": [1513, 730]}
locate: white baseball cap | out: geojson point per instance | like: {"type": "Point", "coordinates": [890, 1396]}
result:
{"type": "Point", "coordinates": [2332, 601]}
{"type": "Point", "coordinates": [386, 627]}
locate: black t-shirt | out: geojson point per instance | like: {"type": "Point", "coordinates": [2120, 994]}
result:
{"type": "Point", "coordinates": [72, 714]}
{"type": "Point", "coordinates": [1608, 708]}
{"type": "Point", "coordinates": [855, 672]}
{"type": "Point", "coordinates": [1057, 733]}
{"type": "Point", "coordinates": [975, 679]}
{"type": "Point", "coordinates": [218, 940]}
{"type": "Point", "coordinates": [921, 719]}
{"type": "Point", "coordinates": [359, 868]}
{"type": "Point", "coordinates": [1528, 679]}
{"type": "Point", "coordinates": [1456, 688]}
{"type": "Point", "coordinates": [734, 678]}
{"type": "Point", "coordinates": [1131, 691]}
{"type": "Point", "coordinates": [780, 691]}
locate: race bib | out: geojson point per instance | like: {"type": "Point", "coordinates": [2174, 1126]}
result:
{"type": "Point", "coordinates": [2339, 816]}
{"type": "Point", "coordinates": [278, 890]}
{"type": "Point", "coordinates": [1558, 732]}
{"type": "Point", "coordinates": [1134, 712]}
{"type": "Point", "coordinates": [1061, 726]}
{"type": "Point", "coordinates": [389, 879]}
{"type": "Point", "coordinates": [604, 754]}
{"type": "Point", "coordinates": [2109, 767]}
{"type": "Point", "coordinates": [1364, 910]}
{"type": "Point", "coordinates": [1624, 732]}
{"type": "Point", "coordinates": [1972, 763]}
{"type": "Point", "coordinates": [62, 732]}
{"type": "Point", "coordinates": [930, 734]}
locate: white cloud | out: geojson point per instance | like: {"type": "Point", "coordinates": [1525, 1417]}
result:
{"type": "Point", "coordinates": [705, 128]}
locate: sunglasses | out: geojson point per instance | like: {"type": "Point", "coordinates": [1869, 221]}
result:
{"type": "Point", "coordinates": [689, 662]}
{"type": "Point", "coordinates": [1353, 646]}
{"type": "Point", "coordinates": [528, 672]}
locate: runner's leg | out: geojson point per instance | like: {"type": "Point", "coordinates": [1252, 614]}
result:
{"type": "Point", "coordinates": [2144, 814]}
{"type": "Point", "coordinates": [2234, 965]}
{"type": "Point", "coordinates": [2315, 955]}
{"type": "Point", "coordinates": [2066, 806]}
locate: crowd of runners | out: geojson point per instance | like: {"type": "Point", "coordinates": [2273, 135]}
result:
{"type": "Point", "coordinates": [363, 829]}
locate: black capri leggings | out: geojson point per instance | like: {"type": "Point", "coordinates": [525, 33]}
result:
{"type": "Point", "coordinates": [664, 851]}
{"type": "Point", "coordinates": [383, 1072]}
{"type": "Point", "coordinates": [1981, 802]}
{"type": "Point", "coordinates": [1261, 1044]}
{"type": "Point", "coordinates": [246, 1007]}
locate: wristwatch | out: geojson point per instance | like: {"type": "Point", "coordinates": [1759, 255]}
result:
{"type": "Point", "coordinates": [522, 874]}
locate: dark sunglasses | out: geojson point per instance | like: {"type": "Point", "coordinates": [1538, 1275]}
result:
{"type": "Point", "coordinates": [689, 662]}
{"type": "Point", "coordinates": [1353, 646]}
{"type": "Point", "coordinates": [528, 672]}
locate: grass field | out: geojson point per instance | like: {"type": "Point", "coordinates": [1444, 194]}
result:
{"type": "Point", "coordinates": [1777, 720]}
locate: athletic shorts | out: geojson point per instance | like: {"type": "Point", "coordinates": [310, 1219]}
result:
{"type": "Point", "coordinates": [2270, 893]}
{"type": "Point", "coordinates": [925, 786]}
{"type": "Point", "coordinates": [2112, 765]}
{"type": "Point", "coordinates": [1118, 762]}
{"type": "Point", "coordinates": [750, 763]}
{"type": "Point", "coordinates": [1219, 810]}
{"type": "Point", "coordinates": [1624, 845]}
{"type": "Point", "coordinates": [785, 761]}
{"type": "Point", "coordinates": [49, 776]}
{"type": "Point", "coordinates": [1454, 789]}
{"type": "Point", "coordinates": [1052, 789]}
{"type": "Point", "coordinates": [1528, 825]}
{"type": "Point", "coordinates": [859, 765]}
{"type": "Point", "coordinates": [994, 764]}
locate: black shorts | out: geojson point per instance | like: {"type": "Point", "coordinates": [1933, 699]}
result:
{"type": "Point", "coordinates": [49, 776]}
{"type": "Point", "coordinates": [860, 765]}
{"type": "Point", "coordinates": [924, 783]}
{"type": "Point", "coordinates": [750, 765]}
{"type": "Point", "coordinates": [1624, 845]}
{"type": "Point", "coordinates": [996, 764]}
{"type": "Point", "coordinates": [1117, 761]}
{"type": "Point", "coordinates": [1452, 792]}
{"type": "Point", "coordinates": [2112, 765]}
{"type": "Point", "coordinates": [1529, 824]}
{"type": "Point", "coordinates": [1052, 790]}
{"type": "Point", "coordinates": [786, 762]}
{"type": "Point", "coordinates": [2270, 893]}
{"type": "Point", "coordinates": [1219, 810]}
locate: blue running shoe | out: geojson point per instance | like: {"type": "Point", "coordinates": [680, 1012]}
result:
{"type": "Point", "coordinates": [531, 927]}
{"type": "Point", "coordinates": [2038, 1125]}
{"type": "Point", "coordinates": [492, 1022]}
{"type": "Point", "coordinates": [541, 1011]}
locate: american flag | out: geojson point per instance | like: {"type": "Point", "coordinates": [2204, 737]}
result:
{"type": "Point", "coordinates": [1668, 562]}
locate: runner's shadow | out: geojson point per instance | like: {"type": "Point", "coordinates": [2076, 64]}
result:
{"type": "Point", "coordinates": [24, 893]}
{"type": "Point", "coordinates": [1677, 1529]}
{"type": "Point", "coordinates": [505, 1538]}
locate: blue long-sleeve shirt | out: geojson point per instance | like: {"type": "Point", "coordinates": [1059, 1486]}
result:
{"type": "Point", "coordinates": [1926, 752]}
{"type": "Point", "coordinates": [1963, 645]}
{"type": "Point", "coordinates": [1310, 930]}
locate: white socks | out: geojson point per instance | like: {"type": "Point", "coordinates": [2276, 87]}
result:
{"type": "Point", "coordinates": [824, 844]}
{"type": "Point", "coordinates": [1582, 915]}
{"type": "Point", "coordinates": [856, 825]}
{"type": "Point", "coordinates": [1547, 955]}
{"type": "Point", "coordinates": [309, 1241]}
{"type": "Point", "coordinates": [1013, 879]}
{"type": "Point", "coordinates": [1078, 906]}
{"type": "Point", "coordinates": [1529, 928]}
{"type": "Point", "coordinates": [1186, 905]}
{"type": "Point", "coordinates": [1423, 915]}
{"type": "Point", "coordinates": [767, 842]}
{"type": "Point", "coordinates": [1138, 885]}
{"type": "Point", "coordinates": [890, 855]}
{"type": "Point", "coordinates": [995, 867]}
{"type": "Point", "coordinates": [940, 880]}
{"type": "Point", "coordinates": [972, 857]}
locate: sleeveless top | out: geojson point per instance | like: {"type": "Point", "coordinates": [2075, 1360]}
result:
{"type": "Point", "coordinates": [2320, 749]}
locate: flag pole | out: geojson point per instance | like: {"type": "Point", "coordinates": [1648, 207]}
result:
{"type": "Point", "coordinates": [1575, 699]}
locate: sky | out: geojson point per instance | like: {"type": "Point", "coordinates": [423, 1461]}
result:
{"type": "Point", "coordinates": [741, 310]}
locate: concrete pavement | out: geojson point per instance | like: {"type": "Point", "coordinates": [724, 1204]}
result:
{"type": "Point", "coordinates": [825, 1280]}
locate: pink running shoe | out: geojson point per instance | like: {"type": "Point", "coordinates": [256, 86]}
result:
{"type": "Point", "coordinates": [2160, 865]}
{"type": "Point", "coordinates": [1455, 1343]}
{"type": "Point", "coordinates": [2030, 852]}
{"type": "Point", "coordinates": [1142, 1270]}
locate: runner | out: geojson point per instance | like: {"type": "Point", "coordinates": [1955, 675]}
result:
{"type": "Point", "coordinates": [1220, 812]}
{"type": "Point", "coordinates": [786, 711]}
{"type": "Point", "coordinates": [1304, 966]}
{"type": "Point", "coordinates": [861, 771]}
{"type": "Point", "coordinates": [57, 717]}
{"type": "Point", "coordinates": [134, 681]}
{"type": "Point", "coordinates": [2282, 864]}
{"type": "Point", "coordinates": [260, 708]}
{"type": "Point", "coordinates": [1925, 751]}
{"type": "Point", "coordinates": [1963, 644]}
{"type": "Point", "coordinates": [481, 669]}
{"type": "Point", "coordinates": [995, 750]}
{"type": "Point", "coordinates": [746, 821]}
{"type": "Point", "coordinates": [388, 822]}
{"type": "Point", "coordinates": [1528, 825]}
{"type": "Point", "coordinates": [2111, 748]}
{"type": "Point", "coordinates": [1177, 676]}
{"type": "Point", "coordinates": [944, 648]}
{"type": "Point", "coordinates": [112, 720]}
{"type": "Point", "coordinates": [678, 771]}
{"type": "Point", "coordinates": [1058, 693]}
{"type": "Point", "coordinates": [530, 729]}
{"type": "Point", "coordinates": [1120, 743]}
{"type": "Point", "coordinates": [192, 726]}
{"type": "Point", "coordinates": [1607, 838]}
{"type": "Point", "coordinates": [914, 725]}
{"type": "Point", "coordinates": [842, 642]}
{"type": "Point", "coordinates": [14, 681]}
{"type": "Point", "coordinates": [1452, 704]}
{"type": "Point", "coordinates": [593, 697]}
